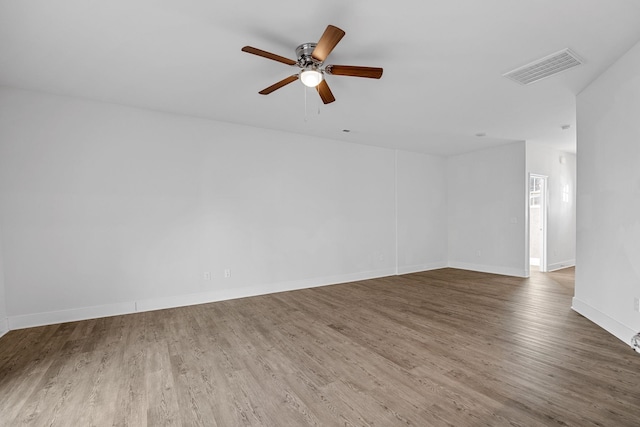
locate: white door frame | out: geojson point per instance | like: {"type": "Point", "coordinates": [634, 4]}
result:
{"type": "Point", "coordinates": [544, 198]}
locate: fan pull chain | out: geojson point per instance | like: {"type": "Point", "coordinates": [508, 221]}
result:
{"type": "Point", "coordinates": [305, 104]}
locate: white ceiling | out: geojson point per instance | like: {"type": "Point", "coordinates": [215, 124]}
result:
{"type": "Point", "coordinates": [443, 62]}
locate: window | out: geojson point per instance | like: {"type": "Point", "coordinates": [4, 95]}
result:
{"type": "Point", "coordinates": [565, 193]}
{"type": "Point", "coordinates": [535, 188]}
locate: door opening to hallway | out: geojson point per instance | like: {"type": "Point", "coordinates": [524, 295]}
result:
{"type": "Point", "coordinates": [538, 222]}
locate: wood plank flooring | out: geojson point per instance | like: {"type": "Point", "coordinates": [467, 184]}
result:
{"type": "Point", "coordinates": [439, 348]}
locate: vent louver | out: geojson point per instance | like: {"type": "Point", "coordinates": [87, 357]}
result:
{"type": "Point", "coordinates": [545, 67]}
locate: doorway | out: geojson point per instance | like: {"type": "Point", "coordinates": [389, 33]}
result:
{"type": "Point", "coordinates": [538, 222]}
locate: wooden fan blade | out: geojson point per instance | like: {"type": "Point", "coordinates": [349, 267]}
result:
{"type": "Point", "coordinates": [330, 38]}
{"type": "Point", "coordinates": [350, 70]}
{"type": "Point", "coordinates": [325, 92]}
{"type": "Point", "coordinates": [268, 55]}
{"type": "Point", "coordinates": [278, 85]}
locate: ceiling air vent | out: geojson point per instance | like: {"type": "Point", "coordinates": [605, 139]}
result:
{"type": "Point", "coordinates": [545, 67]}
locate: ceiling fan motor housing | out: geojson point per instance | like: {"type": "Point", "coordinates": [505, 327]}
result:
{"type": "Point", "coordinates": [305, 60]}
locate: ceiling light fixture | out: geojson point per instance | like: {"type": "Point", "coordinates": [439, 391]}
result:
{"type": "Point", "coordinates": [311, 77]}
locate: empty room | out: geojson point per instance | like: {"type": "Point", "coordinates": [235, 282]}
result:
{"type": "Point", "coordinates": [340, 213]}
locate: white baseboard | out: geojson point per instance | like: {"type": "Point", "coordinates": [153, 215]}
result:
{"type": "Point", "coordinates": [4, 326]}
{"type": "Point", "coordinates": [504, 271]}
{"type": "Point", "coordinates": [270, 288]}
{"type": "Point", "coordinates": [617, 329]}
{"type": "Point", "coordinates": [71, 315]}
{"type": "Point", "coordinates": [560, 265]}
{"type": "Point", "coordinates": [408, 269]}
{"type": "Point", "coordinates": [84, 313]}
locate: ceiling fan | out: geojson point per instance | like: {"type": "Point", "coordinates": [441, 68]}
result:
{"type": "Point", "coordinates": [311, 57]}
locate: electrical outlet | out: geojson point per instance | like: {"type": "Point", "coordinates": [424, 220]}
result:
{"type": "Point", "coordinates": [227, 273]}
{"type": "Point", "coordinates": [636, 304]}
{"type": "Point", "coordinates": [479, 253]}
{"type": "Point", "coordinates": [207, 275]}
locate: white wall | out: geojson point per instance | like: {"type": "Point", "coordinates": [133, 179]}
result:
{"type": "Point", "coordinates": [608, 209]}
{"type": "Point", "coordinates": [422, 212]}
{"type": "Point", "coordinates": [107, 209]}
{"type": "Point", "coordinates": [4, 326]}
{"type": "Point", "coordinates": [561, 213]}
{"type": "Point", "coordinates": [487, 208]}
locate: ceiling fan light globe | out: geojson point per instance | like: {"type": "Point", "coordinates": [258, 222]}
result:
{"type": "Point", "coordinates": [311, 78]}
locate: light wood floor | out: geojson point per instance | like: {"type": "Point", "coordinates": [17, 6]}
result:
{"type": "Point", "coordinates": [446, 347]}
